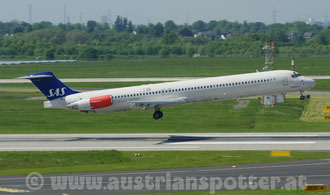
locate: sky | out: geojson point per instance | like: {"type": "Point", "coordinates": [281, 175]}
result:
{"type": "Point", "coordinates": [180, 11]}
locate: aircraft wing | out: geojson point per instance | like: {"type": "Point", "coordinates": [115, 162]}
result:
{"type": "Point", "coordinates": [149, 104]}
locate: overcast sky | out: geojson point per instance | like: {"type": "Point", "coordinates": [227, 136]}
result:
{"type": "Point", "coordinates": [180, 11]}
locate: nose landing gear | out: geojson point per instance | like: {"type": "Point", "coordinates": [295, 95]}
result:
{"type": "Point", "coordinates": [302, 97]}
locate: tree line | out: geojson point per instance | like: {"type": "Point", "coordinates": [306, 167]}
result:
{"type": "Point", "coordinates": [123, 39]}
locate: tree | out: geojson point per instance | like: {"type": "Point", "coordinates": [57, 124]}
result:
{"type": "Point", "coordinates": [77, 37]}
{"type": "Point", "coordinates": [170, 27]}
{"type": "Point", "coordinates": [278, 35]}
{"type": "Point", "coordinates": [88, 53]}
{"type": "Point", "coordinates": [199, 26]}
{"type": "Point", "coordinates": [130, 27]}
{"type": "Point", "coordinates": [50, 54]}
{"type": "Point", "coordinates": [159, 29]}
{"type": "Point", "coordinates": [164, 52]}
{"type": "Point", "coordinates": [323, 37]}
{"type": "Point", "coordinates": [185, 32]}
{"type": "Point", "coordinates": [91, 26]}
{"type": "Point", "coordinates": [169, 38]}
{"type": "Point", "coordinates": [211, 25]}
{"type": "Point", "coordinates": [190, 51]}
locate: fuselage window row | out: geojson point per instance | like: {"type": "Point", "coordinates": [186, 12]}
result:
{"type": "Point", "coordinates": [196, 88]}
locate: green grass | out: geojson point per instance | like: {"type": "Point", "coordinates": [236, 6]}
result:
{"type": "Point", "coordinates": [18, 115]}
{"type": "Point", "coordinates": [168, 67]}
{"type": "Point", "coordinates": [20, 163]}
{"type": "Point", "coordinates": [322, 85]}
{"type": "Point", "coordinates": [313, 113]}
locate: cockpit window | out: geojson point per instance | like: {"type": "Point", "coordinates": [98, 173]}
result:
{"type": "Point", "coordinates": [295, 75]}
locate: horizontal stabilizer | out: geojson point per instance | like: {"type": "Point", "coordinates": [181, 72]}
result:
{"type": "Point", "coordinates": [35, 76]}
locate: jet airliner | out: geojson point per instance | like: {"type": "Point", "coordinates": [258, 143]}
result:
{"type": "Point", "coordinates": [158, 96]}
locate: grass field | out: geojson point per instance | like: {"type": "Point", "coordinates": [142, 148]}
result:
{"type": "Point", "coordinates": [20, 163]}
{"type": "Point", "coordinates": [168, 67]}
{"type": "Point", "coordinates": [312, 112]}
{"type": "Point", "coordinates": [19, 115]}
{"type": "Point", "coordinates": [322, 85]}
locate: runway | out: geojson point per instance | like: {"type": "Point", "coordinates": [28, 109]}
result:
{"type": "Point", "coordinates": [284, 175]}
{"type": "Point", "coordinates": [166, 141]}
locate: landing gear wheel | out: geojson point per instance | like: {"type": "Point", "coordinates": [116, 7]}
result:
{"type": "Point", "coordinates": [158, 115]}
{"type": "Point", "coordinates": [302, 97]}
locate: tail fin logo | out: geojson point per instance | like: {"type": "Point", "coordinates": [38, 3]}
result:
{"type": "Point", "coordinates": [56, 92]}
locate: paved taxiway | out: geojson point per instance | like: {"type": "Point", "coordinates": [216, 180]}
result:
{"type": "Point", "coordinates": [315, 171]}
{"type": "Point", "coordinates": [165, 141]}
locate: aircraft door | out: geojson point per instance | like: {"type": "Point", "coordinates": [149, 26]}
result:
{"type": "Point", "coordinates": [285, 81]}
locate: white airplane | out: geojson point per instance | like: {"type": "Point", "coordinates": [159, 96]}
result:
{"type": "Point", "coordinates": [157, 96]}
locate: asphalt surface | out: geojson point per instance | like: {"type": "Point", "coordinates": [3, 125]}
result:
{"type": "Point", "coordinates": [285, 175]}
{"type": "Point", "coordinates": [91, 80]}
{"type": "Point", "coordinates": [166, 141]}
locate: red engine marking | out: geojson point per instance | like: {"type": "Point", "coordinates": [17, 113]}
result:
{"type": "Point", "coordinates": [100, 101]}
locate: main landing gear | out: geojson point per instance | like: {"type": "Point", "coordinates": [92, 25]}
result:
{"type": "Point", "coordinates": [158, 114]}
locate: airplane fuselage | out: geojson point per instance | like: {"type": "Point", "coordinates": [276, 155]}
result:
{"type": "Point", "coordinates": [156, 96]}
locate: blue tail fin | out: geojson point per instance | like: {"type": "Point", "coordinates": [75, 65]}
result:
{"type": "Point", "coordinates": [49, 85]}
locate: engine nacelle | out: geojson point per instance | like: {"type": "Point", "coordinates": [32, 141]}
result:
{"type": "Point", "coordinates": [91, 103]}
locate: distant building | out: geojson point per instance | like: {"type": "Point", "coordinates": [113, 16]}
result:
{"type": "Point", "coordinates": [308, 35]}
{"type": "Point", "coordinates": [206, 34]}
{"type": "Point", "coordinates": [226, 35]}
{"type": "Point", "coordinates": [311, 21]}
{"type": "Point", "coordinates": [105, 19]}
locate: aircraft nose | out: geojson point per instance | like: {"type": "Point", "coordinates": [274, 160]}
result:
{"type": "Point", "coordinates": [310, 83]}
{"type": "Point", "coordinates": [313, 83]}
